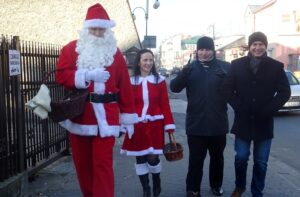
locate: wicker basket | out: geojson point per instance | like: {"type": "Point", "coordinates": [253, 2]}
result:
{"type": "Point", "coordinates": [173, 151]}
{"type": "Point", "coordinates": [69, 107]}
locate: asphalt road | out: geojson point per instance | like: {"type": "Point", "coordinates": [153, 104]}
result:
{"type": "Point", "coordinates": [283, 176]}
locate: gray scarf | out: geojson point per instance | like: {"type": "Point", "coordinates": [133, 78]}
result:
{"type": "Point", "coordinates": [255, 61]}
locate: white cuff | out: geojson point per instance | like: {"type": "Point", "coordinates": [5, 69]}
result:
{"type": "Point", "coordinates": [80, 82]}
{"type": "Point", "coordinates": [169, 126]}
{"type": "Point", "coordinates": [127, 118]}
{"type": "Point", "coordinates": [141, 169]}
{"type": "Point", "coordinates": [155, 169]}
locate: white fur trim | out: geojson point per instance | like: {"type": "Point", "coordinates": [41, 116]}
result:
{"type": "Point", "coordinates": [99, 87]}
{"type": "Point", "coordinates": [150, 150]}
{"type": "Point", "coordinates": [145, 98]}
{"type": "Point", "coordinates": [141, 169]}
{"type": "Point", "coordinates": [150, 79]}
{"type": "Point", "coordinates": [150, 118]}
{"type": "Point", "coordinates": [126, 118]}
{"type": "Point", "coordinates": [80, 82]}
{"type": "Point", "coordinates": [122, 129]}
{"type": "Point", "coordinates": [169, 126]}
{"type": "Point", "coordinates": [130, 130]}
{"type": "Point", "coordinates": [92, 130]}
{"type": "Point", "coordinates": [99, 23]}
{"type": "Point", "coordinates": [155, 169]}
{"type": "Point", "coordinates": [145, 93]}
{"type": "Point", "coordinates": [78, 129]}
{"type": "Point", "coordinates": [105, 129]}
{"type": "Point", "coordinates": [162, 77]}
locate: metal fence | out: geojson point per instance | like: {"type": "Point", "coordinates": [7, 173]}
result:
{"type": "Point", "coordinates": [27, 143]}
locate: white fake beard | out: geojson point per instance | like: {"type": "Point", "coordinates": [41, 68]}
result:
{"type": "Point", "coordinates": [95, 52]}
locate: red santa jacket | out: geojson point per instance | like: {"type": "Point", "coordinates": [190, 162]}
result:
{"type": "Point", "coordinates": [107, 117]}
{"type": "Point", "coordinates": [151, 100]}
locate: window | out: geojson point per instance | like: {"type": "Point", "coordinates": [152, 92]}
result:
{"type": "Point", "coordinates": [292, 79]}
{"type": "Point", "coordinates": [285, 18]}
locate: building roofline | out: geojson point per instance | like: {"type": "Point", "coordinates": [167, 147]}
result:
{"type": "Point", "coordinates": [265, 6]}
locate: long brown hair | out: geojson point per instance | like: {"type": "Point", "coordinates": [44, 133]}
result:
{"type": "Point", "coordinates": [136, 67]}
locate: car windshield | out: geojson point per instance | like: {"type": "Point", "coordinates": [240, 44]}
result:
{"type": "Point", "coordinates": [292, 79]}
{"type": "Point", "coordinates": [163, 69]}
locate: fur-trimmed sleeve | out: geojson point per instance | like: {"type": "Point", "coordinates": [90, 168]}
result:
{"type": "Point", "coordinates": [126, 99]}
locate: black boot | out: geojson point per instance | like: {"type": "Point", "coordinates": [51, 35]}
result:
{"type": "Point", "coordinates": [156, 184]}
{"type": "Point", "coordinates": [145, 183]}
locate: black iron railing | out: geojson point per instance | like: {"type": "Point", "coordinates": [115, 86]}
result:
{"type": "Point", "coordinates": [27, 143]}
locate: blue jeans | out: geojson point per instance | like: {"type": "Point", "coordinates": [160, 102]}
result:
{"type": "Point", "coordinates": [261, 151]}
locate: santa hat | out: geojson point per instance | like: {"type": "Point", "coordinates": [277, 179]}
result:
{"type": "Point", "coordinates": [97, 16]}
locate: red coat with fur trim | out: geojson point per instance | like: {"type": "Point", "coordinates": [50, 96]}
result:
{"type": "Point", "coordinates": [154, 116]}
{"type": "Point", "coordinates": [151, 100]}
{"type": "Point", "coordinates": [98, 117]}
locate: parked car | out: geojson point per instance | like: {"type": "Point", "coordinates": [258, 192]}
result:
{"type": "Point", "coordinates": [164, 72]}
{"type": "Point", "coordinates": [175, 71]}
{"type": "Point", "coordinates": [294, 102]}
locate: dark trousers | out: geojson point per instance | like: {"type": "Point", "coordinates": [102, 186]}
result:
{"type": "Point", "coordinates": [198, 147]}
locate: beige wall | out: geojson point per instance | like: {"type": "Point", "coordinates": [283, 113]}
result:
{"type": "Point", "coordinates": [58, 21]}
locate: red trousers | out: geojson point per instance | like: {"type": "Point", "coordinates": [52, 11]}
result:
{"type": "Point", "coordinates": [93, 159]}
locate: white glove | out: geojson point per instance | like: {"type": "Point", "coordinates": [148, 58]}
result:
{"type": "Point", "coordinates": [97, 75]}
{"type": "Point", "coordinates": [128, 128]}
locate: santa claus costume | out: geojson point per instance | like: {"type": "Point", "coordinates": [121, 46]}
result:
{"type": "Point", "coordinates": [154, 118]}
{"type": "Point", "coordinates": [96, 64]}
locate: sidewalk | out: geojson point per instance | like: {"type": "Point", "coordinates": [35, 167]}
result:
{"type": "Point", "coordinates": [59, 179]}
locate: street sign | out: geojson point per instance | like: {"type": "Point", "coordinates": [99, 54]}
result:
{"type": "Point", "coordinates": [14, 62]}
{"type": "Point", "coordinates": [149, 42]}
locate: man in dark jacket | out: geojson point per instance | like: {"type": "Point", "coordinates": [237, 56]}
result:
{"type": "Point", "coordinates": [256, 87]}
{"type": "Point", "coordinates": [206, 119]}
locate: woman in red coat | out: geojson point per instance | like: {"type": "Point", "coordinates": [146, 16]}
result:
{"type": "Point", "coordinates": [154, 118]}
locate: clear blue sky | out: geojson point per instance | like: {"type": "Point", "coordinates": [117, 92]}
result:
{"type": "Point", "coordinates": [192, 16]}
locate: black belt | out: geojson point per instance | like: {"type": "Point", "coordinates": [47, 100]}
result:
{"type": "Point", "coordinates": [102, 98]}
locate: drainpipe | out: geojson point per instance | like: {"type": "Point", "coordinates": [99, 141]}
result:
{"type": "Point", "coordinates": [254, 23]}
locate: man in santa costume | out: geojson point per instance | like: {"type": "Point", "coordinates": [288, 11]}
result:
{"type": "Point", "coordinates": [95, 63]}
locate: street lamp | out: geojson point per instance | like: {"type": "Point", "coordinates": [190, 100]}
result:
{"type": "Point", "coordinates": [155, 6]}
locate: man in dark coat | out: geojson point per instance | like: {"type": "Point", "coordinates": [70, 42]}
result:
{"type": "Point", "coordinates": [206, 119]}
{"type": "Point", "coordinates": [256, 87]}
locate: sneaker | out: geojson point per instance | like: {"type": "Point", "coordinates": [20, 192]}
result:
{"type": "Point", "coordinates": [237, 192]}
{"type": "Point", "coordinates": [192, 194]}
{"type": "Point", "coordinates": [217, 191]}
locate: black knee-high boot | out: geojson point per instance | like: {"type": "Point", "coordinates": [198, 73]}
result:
{"type": "Point", "coordinates": [145, 183]}
{"type": "Point", "coordinates": [156, 184]}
